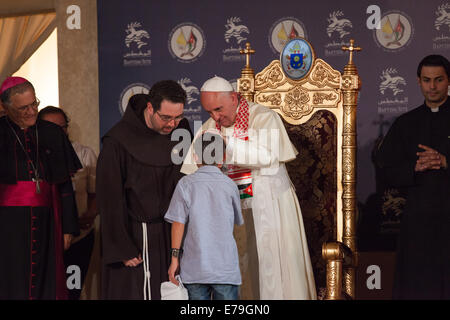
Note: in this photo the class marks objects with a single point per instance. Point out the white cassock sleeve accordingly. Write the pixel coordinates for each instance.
(268, 143)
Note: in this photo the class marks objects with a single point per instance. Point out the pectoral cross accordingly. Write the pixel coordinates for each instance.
(37, 181)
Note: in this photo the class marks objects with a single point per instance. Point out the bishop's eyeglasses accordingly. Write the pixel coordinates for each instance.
(34, 105)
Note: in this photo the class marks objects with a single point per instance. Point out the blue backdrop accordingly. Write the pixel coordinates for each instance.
(141, 42)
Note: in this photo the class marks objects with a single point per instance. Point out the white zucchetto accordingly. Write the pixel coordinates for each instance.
(217, 84)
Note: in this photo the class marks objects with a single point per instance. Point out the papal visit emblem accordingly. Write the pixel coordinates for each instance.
(186, 42)
(396, 31)
(284, 30)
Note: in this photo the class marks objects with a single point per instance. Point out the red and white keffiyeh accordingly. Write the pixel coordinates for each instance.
(241, 176)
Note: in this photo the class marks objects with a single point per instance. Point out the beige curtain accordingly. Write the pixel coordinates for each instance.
(20, 37)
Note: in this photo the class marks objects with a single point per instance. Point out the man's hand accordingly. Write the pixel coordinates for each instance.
(173, 270)
(429, 159)
(67, 241)
(133, 262)
(86, 220)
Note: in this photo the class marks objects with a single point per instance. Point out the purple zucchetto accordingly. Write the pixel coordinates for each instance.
(11, 82)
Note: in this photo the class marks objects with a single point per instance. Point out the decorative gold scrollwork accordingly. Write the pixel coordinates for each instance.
(351, 82)
(347, 163)
(244, 85)
(323, 88)
(319, 97)
(347, 129)
(295, 103)
(271, 77)
(274, 99)
(323, 75)
(347, 82)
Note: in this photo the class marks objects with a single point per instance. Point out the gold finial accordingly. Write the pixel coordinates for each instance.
(351, 48)
(247, 51)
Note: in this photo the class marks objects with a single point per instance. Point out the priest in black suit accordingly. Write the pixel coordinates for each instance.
(415, 155)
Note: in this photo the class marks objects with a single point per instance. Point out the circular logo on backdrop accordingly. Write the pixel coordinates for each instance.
(396, 31)
(297, 58)
(186, 42)
(130, 91)
(284, 30)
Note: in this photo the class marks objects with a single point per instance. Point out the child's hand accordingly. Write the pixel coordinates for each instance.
(173, 270)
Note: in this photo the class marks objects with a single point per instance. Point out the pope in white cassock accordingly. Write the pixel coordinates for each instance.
(279, 266)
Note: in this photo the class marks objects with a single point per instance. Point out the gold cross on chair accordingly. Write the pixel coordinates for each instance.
(247, 51)
(351, 48)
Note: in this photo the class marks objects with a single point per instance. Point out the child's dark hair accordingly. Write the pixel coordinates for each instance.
(210, 148)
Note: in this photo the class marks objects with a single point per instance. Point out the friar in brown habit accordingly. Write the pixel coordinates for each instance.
(136, 177)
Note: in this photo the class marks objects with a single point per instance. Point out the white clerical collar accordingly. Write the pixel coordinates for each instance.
(435, 109)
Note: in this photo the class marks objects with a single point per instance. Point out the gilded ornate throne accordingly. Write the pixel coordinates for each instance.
(319, 112)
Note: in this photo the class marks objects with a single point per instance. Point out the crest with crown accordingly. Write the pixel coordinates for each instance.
(296, 58)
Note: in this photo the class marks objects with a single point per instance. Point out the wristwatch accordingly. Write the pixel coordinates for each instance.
(174, 252)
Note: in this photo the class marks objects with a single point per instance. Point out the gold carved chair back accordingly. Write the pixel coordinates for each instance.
(319, 112)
